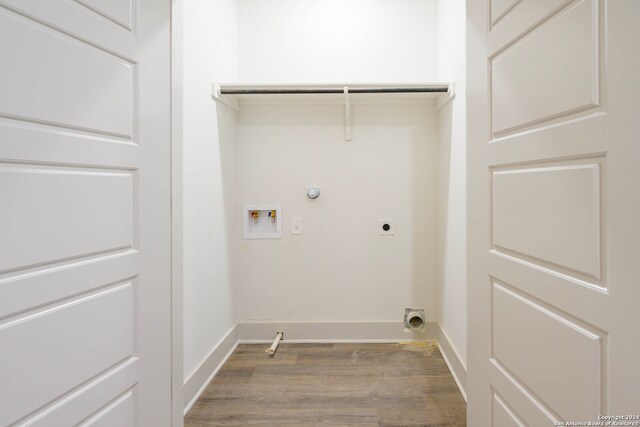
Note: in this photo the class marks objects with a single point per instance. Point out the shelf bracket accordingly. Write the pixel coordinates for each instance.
(445, 98)
(347, 114)
(215, 92)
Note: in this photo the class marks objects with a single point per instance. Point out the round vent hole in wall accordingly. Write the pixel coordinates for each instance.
(414, 319)
(416, 322)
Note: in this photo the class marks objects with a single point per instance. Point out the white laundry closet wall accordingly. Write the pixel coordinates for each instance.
(340, 269)
(209, 52)
(398, 166)
(452, 206)
(311, 41)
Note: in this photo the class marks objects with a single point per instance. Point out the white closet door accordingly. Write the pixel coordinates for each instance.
(83, 166)
(554, 205)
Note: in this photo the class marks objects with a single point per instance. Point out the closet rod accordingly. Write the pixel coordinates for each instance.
(224, 91)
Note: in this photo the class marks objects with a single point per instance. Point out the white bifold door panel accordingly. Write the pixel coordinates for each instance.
(554, 199)
(81, 312)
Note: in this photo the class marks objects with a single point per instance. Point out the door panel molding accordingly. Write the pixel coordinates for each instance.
(535, 79)
(117, 11)
(555, 223)
(503, 414)
(77, 21)
(552, 218)
(534, 411)
(85, 174)
(538, 345)
(73, 407)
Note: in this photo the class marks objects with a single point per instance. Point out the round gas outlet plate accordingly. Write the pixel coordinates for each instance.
(313, 192)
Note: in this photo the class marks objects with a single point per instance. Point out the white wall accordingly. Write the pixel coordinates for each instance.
(337, 41)
(340, 269)
(208, 138)
(452, 180)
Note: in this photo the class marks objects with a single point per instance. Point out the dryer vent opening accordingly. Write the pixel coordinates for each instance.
(414, 319)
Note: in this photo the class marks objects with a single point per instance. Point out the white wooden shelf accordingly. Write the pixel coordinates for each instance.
(235, 95)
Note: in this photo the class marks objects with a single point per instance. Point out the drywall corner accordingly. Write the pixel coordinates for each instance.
(452, 177)
(209, 53)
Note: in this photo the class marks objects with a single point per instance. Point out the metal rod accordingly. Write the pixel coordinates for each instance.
(274, 346)
(331, 90)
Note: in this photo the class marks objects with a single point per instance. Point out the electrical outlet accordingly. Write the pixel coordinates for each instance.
(296, 225)
(385, 227)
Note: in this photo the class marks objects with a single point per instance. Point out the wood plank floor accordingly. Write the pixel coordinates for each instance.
(332, 385)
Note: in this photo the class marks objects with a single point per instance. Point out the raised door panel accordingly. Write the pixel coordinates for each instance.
(89, 399)
(519, 18)
(547, 272)
(69, 260)
(549, 72)
(63, 213)
(21, 292)
(63, 345)
(54, 78)
(41, 143)
(547, 351)
(550, 214)
(118, 413)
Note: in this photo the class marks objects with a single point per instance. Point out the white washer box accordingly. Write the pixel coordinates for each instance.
(259, 222)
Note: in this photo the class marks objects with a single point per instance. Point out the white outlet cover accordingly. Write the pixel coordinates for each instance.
(296, 225)
(381, 230)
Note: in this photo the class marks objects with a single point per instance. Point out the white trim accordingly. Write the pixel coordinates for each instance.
(153, 315)
(318, 332)
(454, 350)
(477, 216)
(202, 376)
(364, 332)
(443, 100)
(177, 351)
(453, 360)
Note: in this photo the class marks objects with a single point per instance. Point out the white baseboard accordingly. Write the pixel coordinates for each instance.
(454, 362)
(200, 379)
(259, 332)
(354, 332)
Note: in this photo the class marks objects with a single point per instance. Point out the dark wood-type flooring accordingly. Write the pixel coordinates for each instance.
(332, 385)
